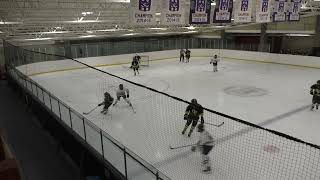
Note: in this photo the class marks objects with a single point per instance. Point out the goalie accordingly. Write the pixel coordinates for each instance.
(135, 64)
(192, 114)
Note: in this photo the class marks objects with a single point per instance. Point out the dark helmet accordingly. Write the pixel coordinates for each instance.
(194, 101)
(121, 86)
(200, 127)
(106, 94)
(318, 82)
(215, 56)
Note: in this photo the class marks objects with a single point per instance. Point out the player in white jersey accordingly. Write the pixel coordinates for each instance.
(214, 61)
(204, 145)
(124, 93)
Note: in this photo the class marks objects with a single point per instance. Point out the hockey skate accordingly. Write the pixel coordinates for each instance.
(207, 170)
(105, 111)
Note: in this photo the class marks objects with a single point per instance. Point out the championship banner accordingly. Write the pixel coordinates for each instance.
(280, 13)
(294, 10)
(243, 10)
(143, 12)
(172, 12)
(223, 11)
(200, 11)
(263, 11)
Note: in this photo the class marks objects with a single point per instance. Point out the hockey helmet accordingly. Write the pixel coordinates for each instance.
(194, 101)
(200, 127)
(121, 86)
(318, 82)
(215, 56)
(106, 94)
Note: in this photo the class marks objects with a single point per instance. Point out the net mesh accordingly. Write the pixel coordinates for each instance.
(144, 61)
(242, 151)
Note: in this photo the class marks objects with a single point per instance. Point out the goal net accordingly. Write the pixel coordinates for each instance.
(144, 61)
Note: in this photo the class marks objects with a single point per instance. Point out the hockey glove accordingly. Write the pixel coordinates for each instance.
(193, 148)
(311, 92)
(100, 104)
(185, 117)
(202, 120)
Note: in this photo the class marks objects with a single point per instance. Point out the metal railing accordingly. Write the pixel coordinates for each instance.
(130, 165)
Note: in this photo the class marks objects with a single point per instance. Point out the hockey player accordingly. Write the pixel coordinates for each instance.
(135, 65)
(193, 111)
(315, 92)
(214, 62)
(137, 57)
(204, 145)
(124, 93)
(182, 55)
(188, 53)
(108, 100)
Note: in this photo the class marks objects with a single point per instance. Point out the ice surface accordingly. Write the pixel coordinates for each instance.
(283, 105)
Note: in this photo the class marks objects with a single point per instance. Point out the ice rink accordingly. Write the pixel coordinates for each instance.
(270, 95)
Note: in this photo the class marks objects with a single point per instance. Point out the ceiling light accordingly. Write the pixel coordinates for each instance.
(87, 36)
(218, 26)
(301, 35)
(158, 28)
(213, 3)
(190, 32)
(130, 34)
(190, 27)
(158, 14)
(54, 32)
(90, 32)
(86, 13)
(37, 39)
(85, 21)
(10, 22)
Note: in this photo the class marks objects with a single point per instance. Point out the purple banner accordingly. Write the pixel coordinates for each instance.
(200, 11)
(223, 11)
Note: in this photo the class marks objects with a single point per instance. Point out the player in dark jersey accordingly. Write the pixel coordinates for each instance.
(192, 114)
(137, 57)
(135, 65)
(188, 54)
(108, 100)
(315, 92)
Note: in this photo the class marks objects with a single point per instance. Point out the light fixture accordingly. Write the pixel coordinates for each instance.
(158, 28)
(130, 34)
(158, 14)
(10, 22)
(86, 13)
(190, 32)
(90, 32)
(190, 27)
(299, 35)
(38, 39)
(87, 36)
(213, 3)
(54, 32)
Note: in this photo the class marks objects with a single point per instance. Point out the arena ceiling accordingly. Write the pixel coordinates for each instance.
(74, 19)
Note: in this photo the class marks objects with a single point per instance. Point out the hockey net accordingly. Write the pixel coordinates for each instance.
(144, 61)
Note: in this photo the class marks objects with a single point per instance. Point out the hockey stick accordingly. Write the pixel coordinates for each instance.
(217, 125)
(86, 113)
(178, 147)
